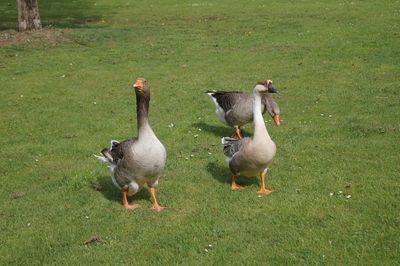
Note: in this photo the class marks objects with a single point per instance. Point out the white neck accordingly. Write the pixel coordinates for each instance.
(260, 131)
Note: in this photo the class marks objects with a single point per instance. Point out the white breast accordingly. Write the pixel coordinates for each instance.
(149, 157)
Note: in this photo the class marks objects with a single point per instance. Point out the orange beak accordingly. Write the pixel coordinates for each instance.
(138, 84)
(276, 120)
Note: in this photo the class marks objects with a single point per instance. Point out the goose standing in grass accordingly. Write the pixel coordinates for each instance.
(234, 108)
(139, 160)
(250, 156)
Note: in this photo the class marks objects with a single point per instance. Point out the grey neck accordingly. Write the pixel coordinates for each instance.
(142, 111)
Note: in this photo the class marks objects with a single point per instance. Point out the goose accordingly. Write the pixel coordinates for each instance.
(136, 161)
(234, 107)
(250, 156)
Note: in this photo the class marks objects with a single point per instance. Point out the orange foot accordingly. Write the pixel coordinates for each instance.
(126, 204)
(132, 207)
(236, 186)
(157, 208)
(265, 191)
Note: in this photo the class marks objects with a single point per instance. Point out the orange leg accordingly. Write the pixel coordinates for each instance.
(234, 185)
(126, 204)
(263, 190)
(238, 133)
(155, 206)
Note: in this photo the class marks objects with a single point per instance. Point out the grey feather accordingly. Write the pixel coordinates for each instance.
(232, 145)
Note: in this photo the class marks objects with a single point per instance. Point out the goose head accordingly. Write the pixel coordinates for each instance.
(142, 87)
(274, 111)
(264, 87)
(268, 86)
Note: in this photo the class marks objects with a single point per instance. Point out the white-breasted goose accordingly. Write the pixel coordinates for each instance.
(139, 160)
(250, 156)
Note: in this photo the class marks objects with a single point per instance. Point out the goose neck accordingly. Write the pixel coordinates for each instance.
(259, 125)
(142, 111)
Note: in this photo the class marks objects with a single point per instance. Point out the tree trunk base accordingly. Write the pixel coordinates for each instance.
(28, 15)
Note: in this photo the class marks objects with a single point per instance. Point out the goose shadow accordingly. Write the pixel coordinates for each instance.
(224, 175)
(219, 131)
(105, 186)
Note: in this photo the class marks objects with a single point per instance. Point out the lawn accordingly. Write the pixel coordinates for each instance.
(67, 91)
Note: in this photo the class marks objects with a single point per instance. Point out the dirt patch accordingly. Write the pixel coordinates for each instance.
(18, 194)
(94, 240)
(50, 37)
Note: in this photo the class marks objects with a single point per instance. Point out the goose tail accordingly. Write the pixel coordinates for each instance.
(212, 94)
(231, 146)
(105, 156)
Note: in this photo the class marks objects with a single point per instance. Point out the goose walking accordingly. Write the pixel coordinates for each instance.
(234, 108)
(139, 160)
(251, 156)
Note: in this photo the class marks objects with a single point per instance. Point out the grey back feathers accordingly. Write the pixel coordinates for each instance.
(227, 100)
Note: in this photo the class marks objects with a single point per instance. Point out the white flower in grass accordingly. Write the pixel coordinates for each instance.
(331, 194)
(171, 125)
(348, 196)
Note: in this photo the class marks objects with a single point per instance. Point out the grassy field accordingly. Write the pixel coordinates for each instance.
(66, 91)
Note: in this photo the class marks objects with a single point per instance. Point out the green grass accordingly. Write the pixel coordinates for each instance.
(337, 66)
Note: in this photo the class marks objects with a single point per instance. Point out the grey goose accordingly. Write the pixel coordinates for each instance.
(139, 160)
(234, 108)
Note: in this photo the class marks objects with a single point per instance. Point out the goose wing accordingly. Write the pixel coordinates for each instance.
(227, 99)
(117, 151)
(232, 145)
